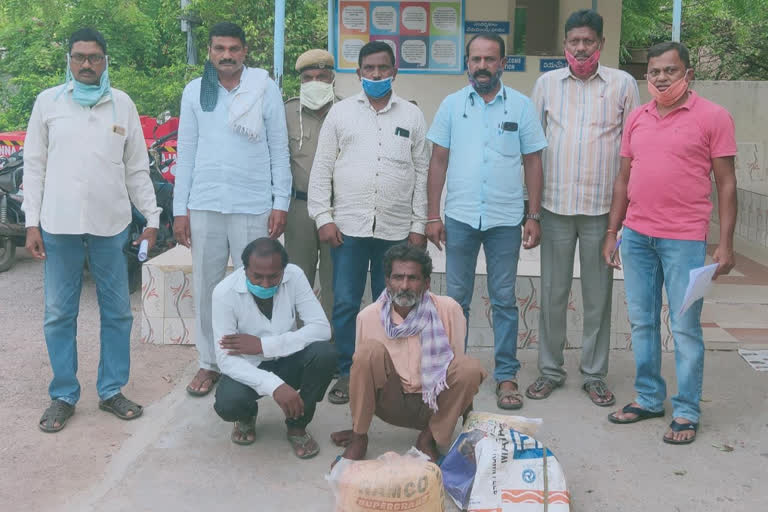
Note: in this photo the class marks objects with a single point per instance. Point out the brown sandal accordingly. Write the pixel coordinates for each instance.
(306, 443)
(211, 376)
(599, 393)
(503, 394)
(541, 388)
(242, 429)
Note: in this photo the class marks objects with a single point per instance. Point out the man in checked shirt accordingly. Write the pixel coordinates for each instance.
(367, 191)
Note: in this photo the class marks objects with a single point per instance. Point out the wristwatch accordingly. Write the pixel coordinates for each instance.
(533, 216)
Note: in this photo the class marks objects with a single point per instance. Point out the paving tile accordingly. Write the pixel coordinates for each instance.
(748, 335)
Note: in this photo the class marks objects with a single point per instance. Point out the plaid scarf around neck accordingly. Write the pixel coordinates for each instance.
(436, 351)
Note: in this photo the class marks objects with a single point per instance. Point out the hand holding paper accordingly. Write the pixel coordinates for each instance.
(699, 283)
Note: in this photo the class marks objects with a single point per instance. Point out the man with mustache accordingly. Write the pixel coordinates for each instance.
(367, 191)
(409, 367)
(233, 178)
(582, 108)
(85, 162)
(481, 134)
(670, 149)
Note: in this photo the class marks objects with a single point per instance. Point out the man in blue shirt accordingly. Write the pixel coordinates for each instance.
(481, 134)
(233, 176)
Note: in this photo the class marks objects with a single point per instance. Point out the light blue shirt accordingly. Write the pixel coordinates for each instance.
(486, 141)
(223, 171)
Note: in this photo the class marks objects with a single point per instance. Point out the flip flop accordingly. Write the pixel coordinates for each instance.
(305, 443)
(641, 414)
(681, 427)
(599, 388)
(339, 393)
(244, 428)
(213, 378)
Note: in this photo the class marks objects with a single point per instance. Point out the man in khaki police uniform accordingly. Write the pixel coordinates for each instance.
(305, 115)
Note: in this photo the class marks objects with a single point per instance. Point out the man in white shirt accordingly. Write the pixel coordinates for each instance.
(367, 191)
(233, 176)
(261, 352)
(85, 162)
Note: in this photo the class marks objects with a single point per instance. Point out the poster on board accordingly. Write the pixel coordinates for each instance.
(426, 36)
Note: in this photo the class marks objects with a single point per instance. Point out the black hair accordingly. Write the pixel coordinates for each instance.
(407, 252)
(488, 37)
(88, 34)
(585, 18)
(264, 247)
(375, 47)
(226, 29)
(661, 48)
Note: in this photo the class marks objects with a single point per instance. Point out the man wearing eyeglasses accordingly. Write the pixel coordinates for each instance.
(233, 176)
(85, 162)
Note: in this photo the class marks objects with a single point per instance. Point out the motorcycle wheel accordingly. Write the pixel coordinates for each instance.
(7, 253)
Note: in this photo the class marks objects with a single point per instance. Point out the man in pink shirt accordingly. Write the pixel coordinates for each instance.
(669, 149)
(409, 367)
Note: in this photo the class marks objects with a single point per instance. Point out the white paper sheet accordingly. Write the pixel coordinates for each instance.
(699, 283)
(757, 359)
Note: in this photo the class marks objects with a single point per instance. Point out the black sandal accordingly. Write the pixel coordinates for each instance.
(641, 414)
(121, 406)
(681, 427)
(58, 412)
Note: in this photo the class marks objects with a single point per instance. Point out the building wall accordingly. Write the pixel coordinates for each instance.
(429, 90)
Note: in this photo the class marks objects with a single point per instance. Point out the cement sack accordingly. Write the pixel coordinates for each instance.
(392, 482)
(516, 473)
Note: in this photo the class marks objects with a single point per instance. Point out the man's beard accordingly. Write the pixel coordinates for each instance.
(406, 298)
(487, 87)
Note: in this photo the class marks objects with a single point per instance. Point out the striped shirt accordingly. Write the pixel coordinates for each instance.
(583, 121)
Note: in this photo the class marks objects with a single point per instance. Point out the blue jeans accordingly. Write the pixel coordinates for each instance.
(648, 263)
(63, 281)
(350, 269)
(502, 249)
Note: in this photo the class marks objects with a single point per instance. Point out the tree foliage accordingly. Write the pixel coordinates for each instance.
(146, 47)
(728, 39)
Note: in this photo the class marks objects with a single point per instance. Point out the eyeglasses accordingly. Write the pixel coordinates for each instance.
(95, 58)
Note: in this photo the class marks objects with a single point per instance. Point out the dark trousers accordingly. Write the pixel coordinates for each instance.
(351, 261)
(310, 371)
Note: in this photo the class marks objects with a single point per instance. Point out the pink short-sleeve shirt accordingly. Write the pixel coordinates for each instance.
(669, 182)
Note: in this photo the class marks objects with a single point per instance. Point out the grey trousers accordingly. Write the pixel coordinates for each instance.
(304, 249)
(216, 236)
(558, 245)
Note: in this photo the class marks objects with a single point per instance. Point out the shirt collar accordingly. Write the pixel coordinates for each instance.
(242, 78)
(599, 73)
(650, 107)
(240, 286)
(393, 100)
(499, 94)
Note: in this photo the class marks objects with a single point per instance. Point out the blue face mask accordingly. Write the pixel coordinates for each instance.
(85, 94)
(377, 88)
(259, 291)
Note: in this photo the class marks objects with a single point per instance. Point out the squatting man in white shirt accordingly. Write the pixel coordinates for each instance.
(261, 352)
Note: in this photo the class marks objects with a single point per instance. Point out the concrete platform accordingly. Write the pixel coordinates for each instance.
(179, 456)
(737, 301)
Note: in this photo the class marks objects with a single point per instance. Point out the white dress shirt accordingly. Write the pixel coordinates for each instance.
(84, 166)
(369, 175)
(235, 312)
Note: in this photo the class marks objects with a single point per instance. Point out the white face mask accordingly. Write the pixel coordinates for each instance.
(315, 94)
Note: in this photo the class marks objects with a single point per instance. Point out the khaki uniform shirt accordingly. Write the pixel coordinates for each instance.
(302, 146)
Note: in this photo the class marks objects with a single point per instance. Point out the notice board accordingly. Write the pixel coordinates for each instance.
(426, 36)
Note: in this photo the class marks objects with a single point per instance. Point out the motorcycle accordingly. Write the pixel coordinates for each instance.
(12, 230)
(12, 221)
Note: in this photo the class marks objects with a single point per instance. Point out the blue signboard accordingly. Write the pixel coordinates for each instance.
(550, 64)
(515, 63)
(486, 27)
